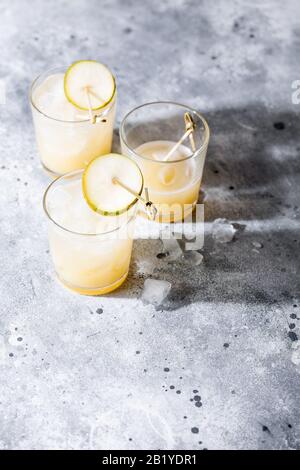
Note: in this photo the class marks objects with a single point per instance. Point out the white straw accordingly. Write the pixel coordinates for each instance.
(92, 117)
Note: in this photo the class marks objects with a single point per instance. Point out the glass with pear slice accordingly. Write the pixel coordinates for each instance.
(64, 102)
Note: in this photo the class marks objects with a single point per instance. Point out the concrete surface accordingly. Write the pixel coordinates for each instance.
(113, 372)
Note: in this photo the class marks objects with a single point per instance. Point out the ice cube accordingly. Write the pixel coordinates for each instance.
(145, 267)
(50, 98)
(68, 208)
(155, 291)
(171, 246)
(257, 244)
(223, 231)
(60, 198)
(193, 257)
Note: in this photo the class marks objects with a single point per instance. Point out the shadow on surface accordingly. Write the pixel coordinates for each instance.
(250, 172)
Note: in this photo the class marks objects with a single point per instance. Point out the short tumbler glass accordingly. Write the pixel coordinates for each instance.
(68, 145)
(173, 184)
(88, 262)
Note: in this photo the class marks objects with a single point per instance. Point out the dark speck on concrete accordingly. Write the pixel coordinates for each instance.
(279, 126)
(99, 311)
(292, 335)
(198, 404)
(178, 392)
(195, 391)
(197, 398)
(172, 387)
(166, 369)
(266, 429)
(292, 326)
(293, 316)
(127, 30)
(11, 354)
(226, 345)
(195, 430)
(161, 255)
(137, 352)
(19, 339)
(289, 426)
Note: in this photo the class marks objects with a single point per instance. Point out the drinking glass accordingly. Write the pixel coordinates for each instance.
(173, 184)
(91, 253)
(67, 144)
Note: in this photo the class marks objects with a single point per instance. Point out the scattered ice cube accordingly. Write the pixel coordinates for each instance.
(257, 244)
(193, 257)
(223, 231)
(155, 291)
(171, 247)
(145, 267)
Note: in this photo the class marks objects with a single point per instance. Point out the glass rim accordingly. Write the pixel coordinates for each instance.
(47, 72)
(92, 234)
(202, 119)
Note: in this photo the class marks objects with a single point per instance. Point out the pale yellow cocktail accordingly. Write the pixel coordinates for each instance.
(173, 186)
(91, 252)
(148, 134)
(67, 140)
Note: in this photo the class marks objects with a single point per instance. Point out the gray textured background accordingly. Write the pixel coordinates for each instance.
(75, 378)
